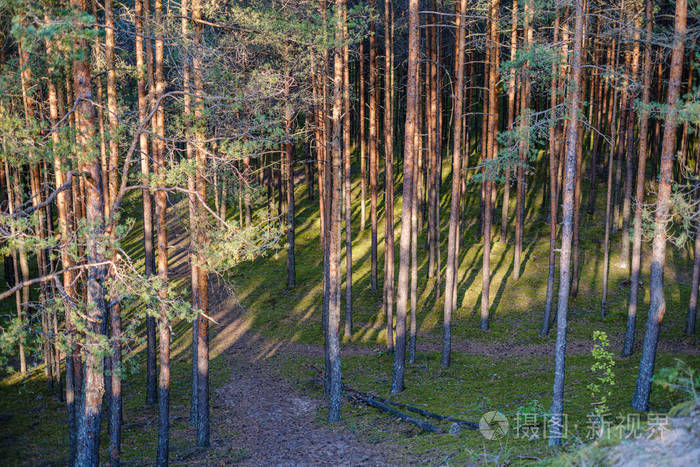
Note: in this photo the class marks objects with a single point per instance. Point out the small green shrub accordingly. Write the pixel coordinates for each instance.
(603, 375)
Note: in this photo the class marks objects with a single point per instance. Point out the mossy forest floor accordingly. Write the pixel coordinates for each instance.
(267, 405)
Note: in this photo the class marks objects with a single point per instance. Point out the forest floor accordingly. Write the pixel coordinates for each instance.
(259, 418)
(267, 406)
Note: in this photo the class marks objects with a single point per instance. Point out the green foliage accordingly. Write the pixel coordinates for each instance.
(531, 407)
(684, 213)
(601, 388)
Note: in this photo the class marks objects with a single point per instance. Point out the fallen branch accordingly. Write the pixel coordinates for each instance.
(465, 423)
(384, 404)
(352, 395)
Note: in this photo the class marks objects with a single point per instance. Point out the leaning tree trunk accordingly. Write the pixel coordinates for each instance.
(657, 305)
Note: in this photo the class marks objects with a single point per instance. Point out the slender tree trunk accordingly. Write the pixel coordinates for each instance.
(192, 211)
(577, 205)
(202, 239)
(373, 152)
(503, 238)
(347, 179)
(524, 146)
(491, 151)
(635, 265)
(556, 423)
(553, 195)
(414, 220)
(657, 306)
(35, 196)
(388, 180)
(599, 103)
(363, 139)
(162, 248)
(608, 203)
(629, 153)
(149, 257)
(289, 182)
(625, 123)
(115, 384)
(64, 204)
(452, 237)
(397, 384)
(335, 277)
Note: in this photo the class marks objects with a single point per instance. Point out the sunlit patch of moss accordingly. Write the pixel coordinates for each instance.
(470, 387)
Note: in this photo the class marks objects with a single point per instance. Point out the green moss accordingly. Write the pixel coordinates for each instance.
(34, 423)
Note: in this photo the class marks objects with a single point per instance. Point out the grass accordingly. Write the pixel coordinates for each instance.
(34, 422)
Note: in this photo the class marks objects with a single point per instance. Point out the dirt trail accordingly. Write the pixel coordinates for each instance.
(258, 418)
(276, 425)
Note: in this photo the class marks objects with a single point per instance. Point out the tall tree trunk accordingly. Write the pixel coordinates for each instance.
(635, 265)
(65, 222)
(553, 192)
(414, 218)
(192, 211)
(397, 384)
(657, 305)
(347, 179)
(202, 239)
(609, 198)
(35, 191)
(140, 13)
(115, 384)
(491, 152)
(373, 152)
(93, 389)
(334, 272)
(289, 182)
(556, 423)
(524, 145)
(629, 152)
(452, 236)
(388, 179)
(363, 139)
(503, 238)
(162, 248)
